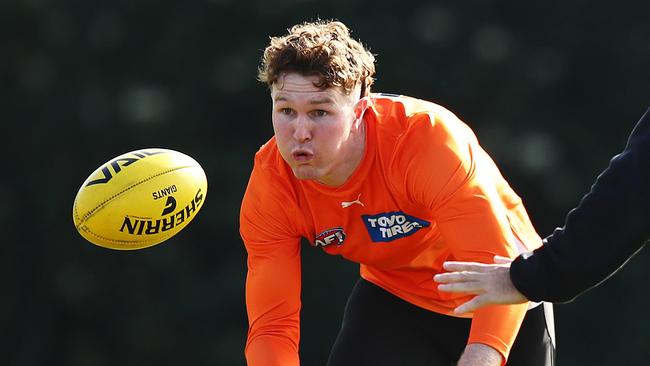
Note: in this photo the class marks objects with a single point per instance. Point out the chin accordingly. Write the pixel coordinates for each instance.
(305, 173)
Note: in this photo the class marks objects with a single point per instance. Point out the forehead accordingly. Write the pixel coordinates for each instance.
(296, 87)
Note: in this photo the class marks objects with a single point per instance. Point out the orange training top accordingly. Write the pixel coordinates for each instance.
(424, 193)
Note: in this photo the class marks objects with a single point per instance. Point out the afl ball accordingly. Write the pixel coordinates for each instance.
(139, 199)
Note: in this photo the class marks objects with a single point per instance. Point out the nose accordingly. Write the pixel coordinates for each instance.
(302, 129)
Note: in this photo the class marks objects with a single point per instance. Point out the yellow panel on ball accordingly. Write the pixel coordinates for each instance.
(139, 199)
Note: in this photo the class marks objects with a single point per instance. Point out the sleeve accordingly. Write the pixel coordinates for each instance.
(610, 225)
(451, 175)
(273, 279)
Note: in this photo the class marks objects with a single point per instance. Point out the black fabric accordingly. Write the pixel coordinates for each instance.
(610, 225)
(380, 329)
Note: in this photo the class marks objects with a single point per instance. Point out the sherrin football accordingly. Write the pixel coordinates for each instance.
(139, 199)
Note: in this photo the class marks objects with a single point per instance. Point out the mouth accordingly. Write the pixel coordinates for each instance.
(302, 155)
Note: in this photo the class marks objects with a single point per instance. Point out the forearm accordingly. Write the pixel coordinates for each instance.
(271, 351)
(606, 229)
(478, 354)
(274, 325)
(550, 275)
(273, 306)
(497, 327)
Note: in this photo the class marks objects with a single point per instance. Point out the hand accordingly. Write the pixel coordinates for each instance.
(491, 282)
(478, 354)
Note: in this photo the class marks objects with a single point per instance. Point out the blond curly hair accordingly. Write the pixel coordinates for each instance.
(322, 48)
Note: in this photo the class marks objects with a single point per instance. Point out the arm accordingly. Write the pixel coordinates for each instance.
(273, 279)
(461, 190)
(495, 326)
(477, 354)
(611, 224)
(273, 304)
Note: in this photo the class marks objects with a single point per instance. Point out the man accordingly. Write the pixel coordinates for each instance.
(609, 226)
(396, 184)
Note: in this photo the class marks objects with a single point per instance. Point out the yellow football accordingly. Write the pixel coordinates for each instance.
(139, 199)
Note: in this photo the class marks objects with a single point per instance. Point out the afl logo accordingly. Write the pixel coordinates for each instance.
(330, 236)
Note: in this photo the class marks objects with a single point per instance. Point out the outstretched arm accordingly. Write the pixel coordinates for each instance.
(273, 304)
(273, 278)
(611, 223)
(462, 190)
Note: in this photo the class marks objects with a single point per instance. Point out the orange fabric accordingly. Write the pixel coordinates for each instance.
(426, 193)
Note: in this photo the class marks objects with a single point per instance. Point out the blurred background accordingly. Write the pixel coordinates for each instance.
(552, 89)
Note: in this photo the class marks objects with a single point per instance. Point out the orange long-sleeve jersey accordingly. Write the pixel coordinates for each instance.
(425, 192)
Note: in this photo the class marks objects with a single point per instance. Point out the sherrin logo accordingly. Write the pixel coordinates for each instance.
(145, 226)
(330, 236)
(389, 226)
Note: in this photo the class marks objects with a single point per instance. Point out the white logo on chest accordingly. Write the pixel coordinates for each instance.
(346, 204)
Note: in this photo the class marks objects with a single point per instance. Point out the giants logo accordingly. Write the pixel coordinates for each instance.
(389, 226)
(330, 236)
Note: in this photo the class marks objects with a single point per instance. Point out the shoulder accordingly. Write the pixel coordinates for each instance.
(412, 130)
(271, 177)
(268, 156)
(425, 149)
(270, 198)
(410, 117)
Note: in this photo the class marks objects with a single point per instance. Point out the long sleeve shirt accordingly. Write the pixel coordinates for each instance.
(425, 192)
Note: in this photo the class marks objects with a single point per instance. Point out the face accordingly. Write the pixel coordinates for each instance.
(316, 130)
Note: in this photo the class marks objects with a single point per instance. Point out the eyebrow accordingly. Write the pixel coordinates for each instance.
(318, 100)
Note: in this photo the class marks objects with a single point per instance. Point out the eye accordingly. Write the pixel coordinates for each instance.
(286, 111)
(320, 113)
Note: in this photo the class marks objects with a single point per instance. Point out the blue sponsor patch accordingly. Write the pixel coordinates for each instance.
(389, 226)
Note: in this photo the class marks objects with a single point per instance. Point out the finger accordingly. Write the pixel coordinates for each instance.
(472, 305)
(464, 266)
(462, 287)
(449, 277)
(502, 260)
(458, 277)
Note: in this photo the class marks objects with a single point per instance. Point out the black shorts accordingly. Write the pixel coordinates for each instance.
(380, 329)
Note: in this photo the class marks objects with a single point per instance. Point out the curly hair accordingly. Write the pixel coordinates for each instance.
(322, 48)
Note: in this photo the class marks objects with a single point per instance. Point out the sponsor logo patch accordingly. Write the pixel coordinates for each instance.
(330, 236)
(389, 226)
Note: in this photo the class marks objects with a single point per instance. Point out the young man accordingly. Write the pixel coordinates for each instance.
(610, 225)
(396, 184)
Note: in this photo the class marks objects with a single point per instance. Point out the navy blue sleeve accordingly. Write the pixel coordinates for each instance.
(610, 225)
